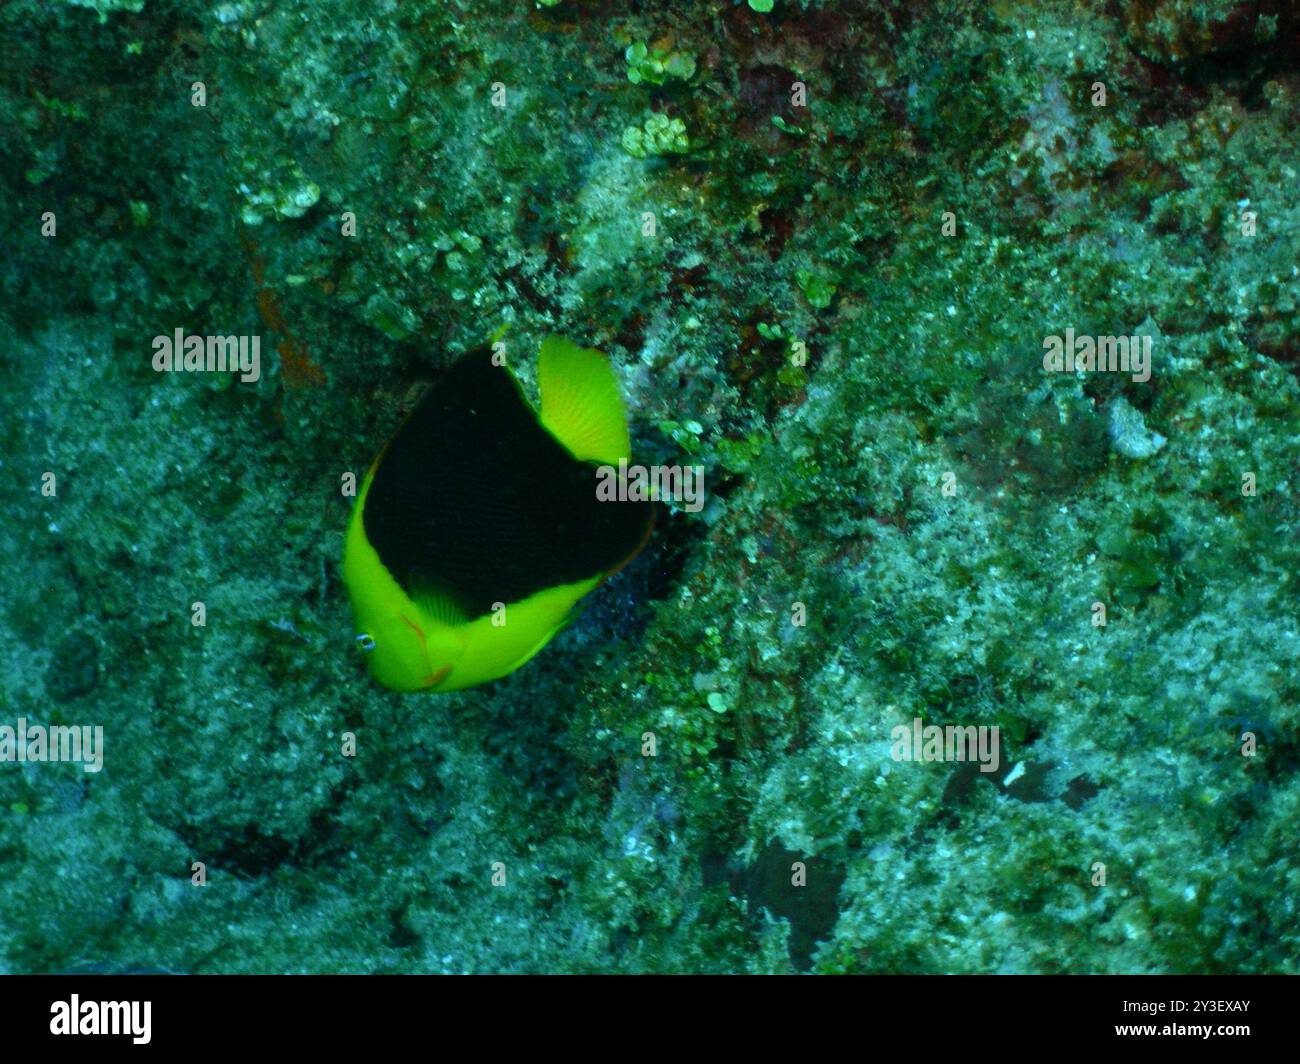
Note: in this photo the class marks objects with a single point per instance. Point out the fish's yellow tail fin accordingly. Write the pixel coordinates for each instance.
(581, 406)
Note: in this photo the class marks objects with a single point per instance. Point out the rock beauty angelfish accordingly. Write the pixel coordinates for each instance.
(478, 527)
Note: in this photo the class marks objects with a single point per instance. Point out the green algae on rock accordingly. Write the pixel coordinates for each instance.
(914, 522)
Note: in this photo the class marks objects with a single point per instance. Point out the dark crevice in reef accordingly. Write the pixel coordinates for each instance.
(1037, 784)
(252, 852)
(400, 935)
(793, 886)
(769, 883)
(1271, 344)
(1239, 59)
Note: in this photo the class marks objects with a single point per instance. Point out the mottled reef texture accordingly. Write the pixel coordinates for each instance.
(773, 225)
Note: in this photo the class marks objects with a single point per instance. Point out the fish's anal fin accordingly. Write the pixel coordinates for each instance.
(581, 406)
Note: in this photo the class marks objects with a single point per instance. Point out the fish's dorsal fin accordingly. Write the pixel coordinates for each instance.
(581, 406)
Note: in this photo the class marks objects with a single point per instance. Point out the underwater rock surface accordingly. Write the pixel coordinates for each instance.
(823, 246)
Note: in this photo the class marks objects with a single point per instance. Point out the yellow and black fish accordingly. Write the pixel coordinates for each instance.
(478, 527)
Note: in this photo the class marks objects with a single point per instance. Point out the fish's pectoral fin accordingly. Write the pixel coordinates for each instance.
(435, 678)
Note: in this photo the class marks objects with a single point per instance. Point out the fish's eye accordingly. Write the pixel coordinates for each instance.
(365, 642)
